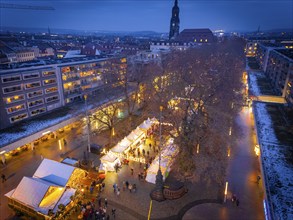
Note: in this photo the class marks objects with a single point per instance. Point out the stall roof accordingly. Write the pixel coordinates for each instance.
(65, 199)
(108, 157)
(121, 146)
(135, 134)
(70, 161)
(147, 123)
(30, 191)
(54, 172)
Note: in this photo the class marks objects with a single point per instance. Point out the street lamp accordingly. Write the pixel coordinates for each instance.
(157, 193)
(87, 125)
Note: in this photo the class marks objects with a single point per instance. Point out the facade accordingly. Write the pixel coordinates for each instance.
(32, 91)
(27, 93)
(174, 23)
(197, 36)
(250, 48)
(280, 72)
(262, 53)
(168, 45)
(25, 55)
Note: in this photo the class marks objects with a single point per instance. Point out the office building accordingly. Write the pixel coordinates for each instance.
(31, 91)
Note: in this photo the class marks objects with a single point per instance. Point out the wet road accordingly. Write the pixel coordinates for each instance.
(242, 173)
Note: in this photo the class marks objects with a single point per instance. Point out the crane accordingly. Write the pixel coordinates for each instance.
(29, 7)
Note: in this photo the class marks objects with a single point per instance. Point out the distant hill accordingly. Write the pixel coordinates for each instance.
(79, 32)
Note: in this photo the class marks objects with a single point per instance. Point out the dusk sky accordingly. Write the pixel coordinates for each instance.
(151, 15)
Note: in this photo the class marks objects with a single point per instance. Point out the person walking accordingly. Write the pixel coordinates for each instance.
(106, 202)
(113, 213)
(127, 184)
(258, 179)
(132, 171)
(3, 177)
(237, 202)
(100, 202)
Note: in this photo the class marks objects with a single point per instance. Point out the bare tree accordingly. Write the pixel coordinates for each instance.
(205, 85)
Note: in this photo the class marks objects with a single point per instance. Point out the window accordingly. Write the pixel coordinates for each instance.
(8, 79)
(49, 81)
(32, 85)
(30, 75)
(37, 111)
(49, 73)
(16, 108)
(13, 99)
(50, 90)
(35, 103)
(34, 94)
(12, 89)
(52, 98)
(18, 117)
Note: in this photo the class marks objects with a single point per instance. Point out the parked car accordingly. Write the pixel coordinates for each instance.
(96, 149)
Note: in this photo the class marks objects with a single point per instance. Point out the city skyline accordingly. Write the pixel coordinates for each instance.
(144, 15)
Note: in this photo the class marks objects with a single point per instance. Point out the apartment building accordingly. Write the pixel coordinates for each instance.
(82, 78)
(250, 48)
(280, 72)
(262, 53)
(27, 93)
(31, 91)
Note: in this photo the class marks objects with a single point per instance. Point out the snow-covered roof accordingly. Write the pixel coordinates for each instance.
(278, 171)
(54, 172)
(31, 191)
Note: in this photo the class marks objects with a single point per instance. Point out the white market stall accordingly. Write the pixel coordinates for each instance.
(148, 125)
(108, 162)
(167, 155)
(136, 136)
(122, 146)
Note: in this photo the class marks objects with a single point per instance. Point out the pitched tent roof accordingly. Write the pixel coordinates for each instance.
(108, 157)
(54, 172)
(31, 191)
(121, 146)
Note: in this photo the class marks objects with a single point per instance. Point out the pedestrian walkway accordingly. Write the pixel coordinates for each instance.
(242, 173)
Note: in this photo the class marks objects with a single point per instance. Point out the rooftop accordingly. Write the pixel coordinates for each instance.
(269, 44)
(286, 52)
(40, 62)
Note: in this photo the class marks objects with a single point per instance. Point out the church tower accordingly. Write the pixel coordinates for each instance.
(174, 24)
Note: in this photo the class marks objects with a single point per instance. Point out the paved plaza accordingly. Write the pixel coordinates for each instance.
(201, 201)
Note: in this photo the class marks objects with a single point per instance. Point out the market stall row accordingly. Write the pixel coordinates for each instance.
(124, 149)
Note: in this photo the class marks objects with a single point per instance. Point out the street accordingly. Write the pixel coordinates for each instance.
(242, 172)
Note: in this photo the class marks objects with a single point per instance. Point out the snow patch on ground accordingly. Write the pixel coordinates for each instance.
(253, 86)
(278, 172)
(279, 180)
(264, 124)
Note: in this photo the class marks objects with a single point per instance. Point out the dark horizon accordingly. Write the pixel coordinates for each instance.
(131, 16)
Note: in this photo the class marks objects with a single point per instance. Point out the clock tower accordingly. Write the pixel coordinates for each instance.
(174, 24)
